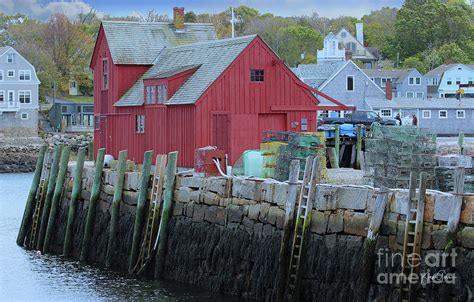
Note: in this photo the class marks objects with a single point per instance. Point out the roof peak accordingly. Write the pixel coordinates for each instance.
(150, 23)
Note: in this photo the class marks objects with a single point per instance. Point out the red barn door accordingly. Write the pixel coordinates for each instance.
(221, 131)
(273, 122)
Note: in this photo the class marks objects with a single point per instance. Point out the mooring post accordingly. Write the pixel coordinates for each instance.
(76, 191)
(90, 151)
(95, 192)
(49, 196)
(30, 202)
(333, 159)
(165, 214)
(58, 190)
(368, 260)
(337, 142)
(284, 256)
(455, 209)
(461, 141)
(122, 165)
(141, 206)
(358, 145)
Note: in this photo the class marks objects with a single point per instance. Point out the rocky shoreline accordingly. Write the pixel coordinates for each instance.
(19, 154)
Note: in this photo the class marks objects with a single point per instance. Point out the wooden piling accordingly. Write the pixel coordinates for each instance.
(49, 196)
(141, 207)
(455, 209)
(76, 191)
(90, 151)
(121, 166)
(358, 145)
(95, 192)
(461, 141)
(284, 256)
(30, 202)
(369, 257)
(337, 142)
(333, 159)
(58, 190)
(165, 213)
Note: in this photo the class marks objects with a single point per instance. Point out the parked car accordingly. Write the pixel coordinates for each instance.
(359, 117)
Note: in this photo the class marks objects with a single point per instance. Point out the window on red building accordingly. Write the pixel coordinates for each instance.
(162, 93)
(256, 75)
(105, 74)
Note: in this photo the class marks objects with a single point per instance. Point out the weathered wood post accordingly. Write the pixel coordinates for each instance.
(369, 257)
(95, 192)
(461, 141)
(337, 142)
(141, 206)
(90, 151)
(333, 159)
(434, 137)
(116, 206)
(455, 209)
(58, 190)
(30, 202)
(289, 220)
(76, 191)
(358, 145)
(165, 214)
(49, 196)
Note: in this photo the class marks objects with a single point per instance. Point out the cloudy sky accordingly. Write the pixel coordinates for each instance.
(328, 8)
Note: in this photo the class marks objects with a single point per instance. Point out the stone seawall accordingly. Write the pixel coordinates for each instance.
(225, 235)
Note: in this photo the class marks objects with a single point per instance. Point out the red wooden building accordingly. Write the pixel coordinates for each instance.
(222, 93)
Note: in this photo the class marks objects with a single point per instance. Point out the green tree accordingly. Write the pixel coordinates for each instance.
(415, 62)
(190, 17)
(452, 53)
(379, 26)
(299, 40)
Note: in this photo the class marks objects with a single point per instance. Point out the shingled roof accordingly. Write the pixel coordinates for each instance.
(4, 49)
(438, 71)
(211, 58)
(316, 74)
(398, 74)
(139, 43)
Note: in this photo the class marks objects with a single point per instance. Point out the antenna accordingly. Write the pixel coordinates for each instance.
(232, 22)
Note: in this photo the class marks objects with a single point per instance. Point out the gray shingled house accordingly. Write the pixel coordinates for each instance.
(406, 83)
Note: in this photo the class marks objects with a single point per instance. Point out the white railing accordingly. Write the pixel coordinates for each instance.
(9, 105)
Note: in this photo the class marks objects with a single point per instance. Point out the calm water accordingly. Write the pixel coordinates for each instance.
(24, 275)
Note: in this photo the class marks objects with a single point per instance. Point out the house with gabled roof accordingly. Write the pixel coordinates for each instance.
(342, 80)
(222, 93)
(406, 83)
(356, 45)
(19, 87)
(444, 81)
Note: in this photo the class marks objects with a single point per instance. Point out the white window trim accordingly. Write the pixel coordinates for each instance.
(8, 94)
(353, 82)
(3, 76)
(406, 94)
(422, 94)
(414, 81)
(12, 56)
(423, 114)
(8, 72)
(383, 115)
(382, 84)
(25, 73)
(23, 91)
(439, 113)
(463, 114)
(24, 118)
(2, 92)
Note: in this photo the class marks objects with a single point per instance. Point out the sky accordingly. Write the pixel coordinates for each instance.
(42, 9)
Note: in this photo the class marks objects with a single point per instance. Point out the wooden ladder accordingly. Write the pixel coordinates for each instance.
(413, 235)
(303, 219)
(153, 215)
(40, 197)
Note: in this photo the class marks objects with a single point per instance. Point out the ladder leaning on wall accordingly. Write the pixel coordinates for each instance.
(413, 234)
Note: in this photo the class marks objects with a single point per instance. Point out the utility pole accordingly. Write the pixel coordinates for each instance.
(232, 21)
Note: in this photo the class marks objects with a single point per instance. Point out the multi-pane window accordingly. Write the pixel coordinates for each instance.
(304, 124)
(148, 94)
(1, 75)
(410, 95)
(256, 75)
(460, 113)
(153, 95)
(140, 124)
(10, 58)
(443, 114)
(11, 96)
(24, 96)
(414, 81)
(419, 95)
(24, 116)
(24, 75)
(386, 112)
(2, 96)
(350, 83)
(97, 122)
(11, 73)
(449, 81)
(162, 93)
(458, 81)
(426, 114)
(383, 82)
(105, 74)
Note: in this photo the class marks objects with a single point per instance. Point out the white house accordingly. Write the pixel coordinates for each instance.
(444, 81)
(18, 95)
(356, 45)
(331, 51)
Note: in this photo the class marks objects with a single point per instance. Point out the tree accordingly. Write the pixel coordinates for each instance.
(415, 62)
(243, 15)
(343, 21)
(190, 17)
(379, 26)
(451, 53)
(299, 40)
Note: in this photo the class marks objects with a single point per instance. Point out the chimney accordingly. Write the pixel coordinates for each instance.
(388, 90)
(348, 54)
(178, 18)
(360, 32)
